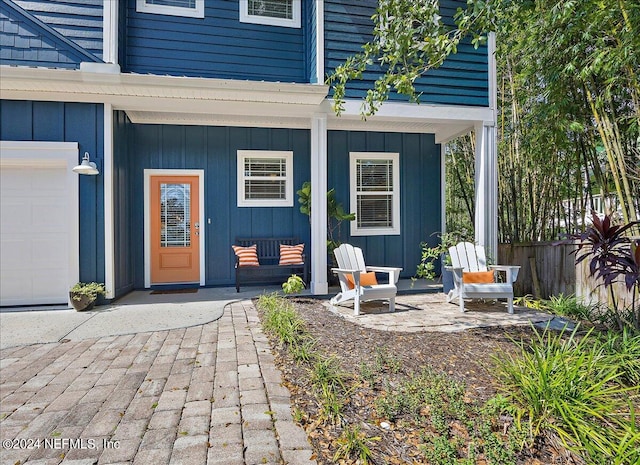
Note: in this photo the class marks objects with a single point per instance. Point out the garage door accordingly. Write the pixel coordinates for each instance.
(35, 233)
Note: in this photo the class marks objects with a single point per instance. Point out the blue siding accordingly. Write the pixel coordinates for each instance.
(420, 214)
(122, 207)
(80, 21)
(26, 40)
(213, 149)
(68, 122)
(312, 47)
(216, 46)
(461, 80)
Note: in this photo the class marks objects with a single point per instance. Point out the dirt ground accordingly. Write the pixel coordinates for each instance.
(466, 356)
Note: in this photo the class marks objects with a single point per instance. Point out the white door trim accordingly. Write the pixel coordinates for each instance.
(25, 153)
(147, 217)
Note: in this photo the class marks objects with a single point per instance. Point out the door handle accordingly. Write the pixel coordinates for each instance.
(196, 225)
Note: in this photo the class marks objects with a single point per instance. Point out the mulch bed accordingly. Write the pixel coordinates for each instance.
(466, 356)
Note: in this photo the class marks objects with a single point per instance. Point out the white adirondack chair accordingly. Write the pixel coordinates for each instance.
(468, 257)
(351, 262)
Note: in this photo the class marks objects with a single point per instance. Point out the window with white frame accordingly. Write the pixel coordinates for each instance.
(375, 193)
(265, 178)
(285, 13)
(188, 8)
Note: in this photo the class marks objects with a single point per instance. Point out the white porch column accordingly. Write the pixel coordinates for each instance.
(486, 220)
(107, 176)
(319, 285)
(486, 195)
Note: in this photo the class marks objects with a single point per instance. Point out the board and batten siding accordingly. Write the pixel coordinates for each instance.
(79, 21)
(216, 46)
(461, 80)
(68, 122)
(124, 266)
(420, 196)
(213, 149)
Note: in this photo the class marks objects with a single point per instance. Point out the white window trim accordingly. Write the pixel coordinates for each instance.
(198, 12)
(245, 17)
(395, 158)
(288, 157)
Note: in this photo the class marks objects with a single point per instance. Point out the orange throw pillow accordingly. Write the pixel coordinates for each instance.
(478, 277)
(366, 279)
(291, 254)
(247, 256)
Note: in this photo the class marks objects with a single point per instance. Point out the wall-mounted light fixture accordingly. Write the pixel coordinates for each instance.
(86, 167)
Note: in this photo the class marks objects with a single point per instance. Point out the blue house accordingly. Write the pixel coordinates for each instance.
(203, 118)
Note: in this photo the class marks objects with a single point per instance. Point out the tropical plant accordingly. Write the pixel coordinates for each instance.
(613, 257)
(336, 214)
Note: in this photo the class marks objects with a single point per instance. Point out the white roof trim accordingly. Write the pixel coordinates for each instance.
(228, 102)
(104, 87)
(445, 121)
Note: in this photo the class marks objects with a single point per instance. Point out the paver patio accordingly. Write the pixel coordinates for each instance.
(205, 394)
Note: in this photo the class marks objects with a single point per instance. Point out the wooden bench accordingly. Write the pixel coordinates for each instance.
(269, 271)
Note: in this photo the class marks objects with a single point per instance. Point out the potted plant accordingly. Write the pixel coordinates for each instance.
(430, 254)
(83, 295)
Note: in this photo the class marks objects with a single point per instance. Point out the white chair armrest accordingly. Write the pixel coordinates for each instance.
(504, 267)
(345, 271)
(457, 273)
(511, 270)
(394, 273)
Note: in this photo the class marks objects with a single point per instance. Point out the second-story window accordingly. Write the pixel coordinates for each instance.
(271, 12)
(188, 8)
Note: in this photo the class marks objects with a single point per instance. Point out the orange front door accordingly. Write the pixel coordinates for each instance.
(175, 229)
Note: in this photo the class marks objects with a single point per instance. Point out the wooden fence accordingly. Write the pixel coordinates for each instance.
(547, 270)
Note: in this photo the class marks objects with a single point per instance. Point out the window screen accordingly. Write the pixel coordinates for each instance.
(177, 3)
(265, 178)
(375, 193)
(271, 8)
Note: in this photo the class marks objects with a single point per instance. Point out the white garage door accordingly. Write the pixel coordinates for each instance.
(35, 233)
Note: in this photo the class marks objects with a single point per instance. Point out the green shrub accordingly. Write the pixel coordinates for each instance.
(570, 387)
(293, 285)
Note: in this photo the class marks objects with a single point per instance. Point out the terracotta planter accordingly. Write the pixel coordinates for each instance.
(85, 303)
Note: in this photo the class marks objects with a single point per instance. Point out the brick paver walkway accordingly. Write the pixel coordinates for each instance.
(207, 394)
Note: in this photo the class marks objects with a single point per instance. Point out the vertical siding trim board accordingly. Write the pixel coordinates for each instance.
(109, 230)
(147, 218)
(319, 284)
(110, 31)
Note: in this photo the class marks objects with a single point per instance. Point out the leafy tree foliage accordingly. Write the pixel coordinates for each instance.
(569, 101)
